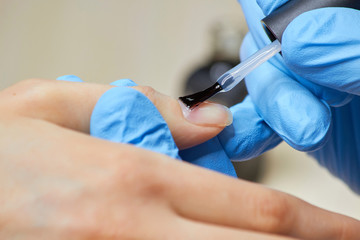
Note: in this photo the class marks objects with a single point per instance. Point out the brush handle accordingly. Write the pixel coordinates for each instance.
(235, 75)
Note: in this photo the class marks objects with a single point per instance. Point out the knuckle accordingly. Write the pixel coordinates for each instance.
(30, 89)
(36, 88)
(148, 91)
(141, 177)
(274, 212)
(26, 94)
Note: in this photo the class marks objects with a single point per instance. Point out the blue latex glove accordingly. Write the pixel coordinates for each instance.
(310, 96)
(125, 115)
(248, 137)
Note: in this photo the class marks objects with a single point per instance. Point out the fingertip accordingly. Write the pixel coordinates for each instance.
(70, 78)
(208, 114)
(186, 134)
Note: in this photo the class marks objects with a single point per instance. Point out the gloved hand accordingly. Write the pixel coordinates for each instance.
(248, 137)
(310, 95)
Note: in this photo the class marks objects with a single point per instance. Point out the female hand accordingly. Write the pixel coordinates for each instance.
(57, 182)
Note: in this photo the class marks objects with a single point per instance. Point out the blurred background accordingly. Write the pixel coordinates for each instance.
(166, 44)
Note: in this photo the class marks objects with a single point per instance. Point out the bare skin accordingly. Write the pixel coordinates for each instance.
(57, 182)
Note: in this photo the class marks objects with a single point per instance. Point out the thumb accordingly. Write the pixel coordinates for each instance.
(189, 128)
(70, 105)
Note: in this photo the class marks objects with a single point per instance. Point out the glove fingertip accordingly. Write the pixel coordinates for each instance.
(249, 136)
(214, 158)
(311, 135)
(132, 119)
(124, 83)
(70, 78)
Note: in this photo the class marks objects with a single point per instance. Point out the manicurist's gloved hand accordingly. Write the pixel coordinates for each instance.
(248, 137)
(309, 96)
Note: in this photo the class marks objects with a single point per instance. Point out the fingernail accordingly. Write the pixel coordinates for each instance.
(208, 114)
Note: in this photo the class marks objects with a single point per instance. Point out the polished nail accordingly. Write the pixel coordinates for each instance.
(208, 114)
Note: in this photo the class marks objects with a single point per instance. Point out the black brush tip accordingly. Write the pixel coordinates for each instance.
(193, 100)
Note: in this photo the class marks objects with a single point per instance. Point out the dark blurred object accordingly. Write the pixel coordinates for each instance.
(226, 41)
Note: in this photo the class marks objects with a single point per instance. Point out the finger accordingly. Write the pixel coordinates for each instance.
(207, 114)
(189, 128)
(328, 52)
(196, 230)
(113, 114)
(229, 202)
(65, 103)
(289, 108)
(71, 104)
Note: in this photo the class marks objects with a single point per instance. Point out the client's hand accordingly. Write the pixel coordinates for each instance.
(57, 182)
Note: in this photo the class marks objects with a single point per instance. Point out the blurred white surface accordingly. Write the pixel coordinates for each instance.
(152, 42)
